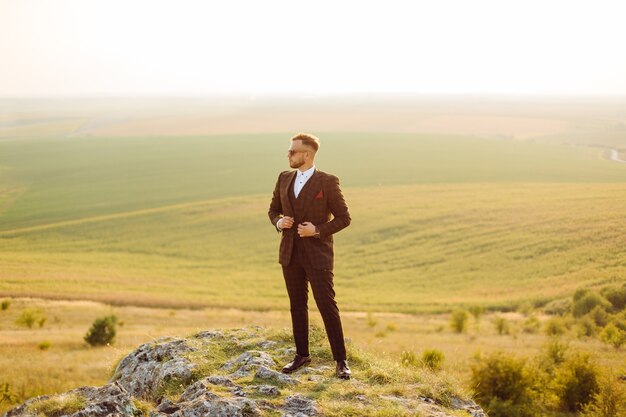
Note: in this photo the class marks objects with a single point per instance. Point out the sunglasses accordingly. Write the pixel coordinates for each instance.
(293, 152)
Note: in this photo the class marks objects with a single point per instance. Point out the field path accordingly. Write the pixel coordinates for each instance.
(105, 217)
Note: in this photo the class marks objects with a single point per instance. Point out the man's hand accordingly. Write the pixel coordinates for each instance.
(306, 229)
(285, 223)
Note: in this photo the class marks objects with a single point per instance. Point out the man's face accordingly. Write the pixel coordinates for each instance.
(297, 154)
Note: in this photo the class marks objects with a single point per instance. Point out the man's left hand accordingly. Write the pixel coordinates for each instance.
(306, 229)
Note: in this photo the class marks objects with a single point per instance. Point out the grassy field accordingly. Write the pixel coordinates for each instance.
(171, 233)
(146, 221)
(69, 362)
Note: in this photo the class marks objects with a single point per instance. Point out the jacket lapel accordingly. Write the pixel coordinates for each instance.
(284, 194)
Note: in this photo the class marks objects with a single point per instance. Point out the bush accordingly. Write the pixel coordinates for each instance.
(433, 359)
(610, 401)
(558, 307)
(5, 304)
(502, 325)
(613, 336)
(458, 322)
(587, 302)
(30, 316)
(408, 358)
(577, 383)
(102, 331)
(616, 296)
(555, 326)
(45, 345)
(477, 312)
(531, 325)
(586, 327)
(580, 293)
(504, 386)
(556, 352)
(599, 316)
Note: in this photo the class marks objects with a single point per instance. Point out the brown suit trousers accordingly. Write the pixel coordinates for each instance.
(311, 259)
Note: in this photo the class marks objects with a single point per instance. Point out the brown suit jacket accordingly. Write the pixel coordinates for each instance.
(320, 197)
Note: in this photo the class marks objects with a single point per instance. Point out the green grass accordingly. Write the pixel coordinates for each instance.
(437, 221)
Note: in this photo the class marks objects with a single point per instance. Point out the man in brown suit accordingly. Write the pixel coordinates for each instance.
(301, 209)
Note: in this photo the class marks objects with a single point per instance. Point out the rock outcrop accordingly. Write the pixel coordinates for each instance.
(234, 374)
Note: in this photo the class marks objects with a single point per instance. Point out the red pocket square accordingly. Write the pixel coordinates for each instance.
(319, 195)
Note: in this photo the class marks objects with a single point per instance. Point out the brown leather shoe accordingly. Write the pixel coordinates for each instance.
(297, 363)
(343, 371)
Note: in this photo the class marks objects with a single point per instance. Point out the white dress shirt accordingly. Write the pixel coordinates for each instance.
(301, 179)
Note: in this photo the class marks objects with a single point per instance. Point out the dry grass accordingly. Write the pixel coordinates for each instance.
(70, 362)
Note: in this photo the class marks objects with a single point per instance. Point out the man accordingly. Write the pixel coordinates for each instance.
(301, 209)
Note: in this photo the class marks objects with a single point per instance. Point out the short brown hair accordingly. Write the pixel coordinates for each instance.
(308, 139)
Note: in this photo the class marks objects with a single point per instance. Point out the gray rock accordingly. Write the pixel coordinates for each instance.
(269, 390)
(219, 380)
(197, 401)
(248, 362)
(271, 375)
(109, 400)
(299, 406)
(267, 344)
(250, 358)
(468, 406)
(209, 334)
(146, 368)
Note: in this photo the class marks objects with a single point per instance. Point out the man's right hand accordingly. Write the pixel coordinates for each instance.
(285, 223)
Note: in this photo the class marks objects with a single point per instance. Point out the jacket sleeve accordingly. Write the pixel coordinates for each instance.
(276, 209)
(338, 208)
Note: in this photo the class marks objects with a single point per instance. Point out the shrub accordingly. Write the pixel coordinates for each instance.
(501, 324)
(610, 401)
(588, 302)
(586, 327)
(5, 304)
(458, 322)
(599, 316)
(577, 383)
(554, 353)
(477, 312)
(45, 345)
(531, 325)
(408, 358)
(504, 386)
(580, 293)
(613, 336)
(555, 326)
(30, 316)
(619, 321)
(433, 359)
(102, 331)
(558, 307)
(616, 296)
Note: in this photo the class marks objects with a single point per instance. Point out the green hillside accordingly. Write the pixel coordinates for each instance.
(437, 221)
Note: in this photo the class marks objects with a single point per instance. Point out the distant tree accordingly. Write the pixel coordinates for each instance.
(102, 331)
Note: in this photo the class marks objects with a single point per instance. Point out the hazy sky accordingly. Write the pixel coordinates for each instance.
(153, 47)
